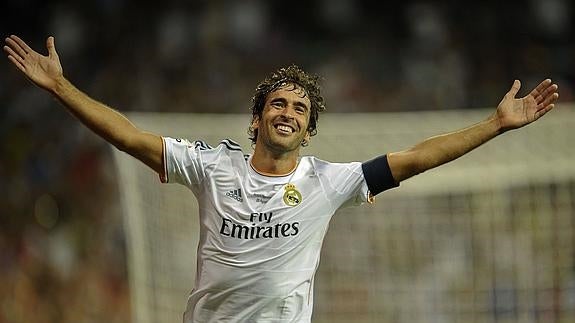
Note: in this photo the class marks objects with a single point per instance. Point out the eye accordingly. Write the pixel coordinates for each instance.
(277, 104)
(300, 110)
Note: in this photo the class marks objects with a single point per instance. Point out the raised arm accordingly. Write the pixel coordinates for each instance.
(511, 114)
(46, 72)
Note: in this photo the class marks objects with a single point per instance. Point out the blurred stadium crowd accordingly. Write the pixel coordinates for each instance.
(62, 254)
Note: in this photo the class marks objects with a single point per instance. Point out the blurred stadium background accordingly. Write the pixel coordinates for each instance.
(62, 241)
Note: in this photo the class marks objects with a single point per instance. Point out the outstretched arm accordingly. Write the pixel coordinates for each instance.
(46, 72)
(511, 114)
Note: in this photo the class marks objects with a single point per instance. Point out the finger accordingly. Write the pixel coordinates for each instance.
(546, 93)
(12, 53)
(548, 101)
(17, 63)
(22, 43)
(16, 47)
(51, 47)
(540, 88)
(542, 112)
(514, 88)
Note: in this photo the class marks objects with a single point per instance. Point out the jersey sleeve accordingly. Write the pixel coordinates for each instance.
(345, 184)
(183, 163)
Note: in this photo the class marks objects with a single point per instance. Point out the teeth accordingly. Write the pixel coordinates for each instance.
(284, 128)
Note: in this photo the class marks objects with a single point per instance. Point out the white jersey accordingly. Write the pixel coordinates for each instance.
(260, 238)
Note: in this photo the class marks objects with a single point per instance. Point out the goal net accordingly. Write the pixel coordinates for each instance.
(489, 237)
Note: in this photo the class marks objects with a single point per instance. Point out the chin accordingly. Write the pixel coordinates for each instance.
(284, 146)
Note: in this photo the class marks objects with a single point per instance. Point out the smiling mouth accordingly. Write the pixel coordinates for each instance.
(282, 128)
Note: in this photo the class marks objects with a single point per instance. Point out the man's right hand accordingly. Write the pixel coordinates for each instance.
(43, 71)
(46, 72)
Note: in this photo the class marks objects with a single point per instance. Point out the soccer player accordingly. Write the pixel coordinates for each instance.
(263, 216)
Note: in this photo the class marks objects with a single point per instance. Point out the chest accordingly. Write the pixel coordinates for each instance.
(244, 197)
(240, 207)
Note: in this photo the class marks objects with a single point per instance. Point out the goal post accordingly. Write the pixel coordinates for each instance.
(490, 236)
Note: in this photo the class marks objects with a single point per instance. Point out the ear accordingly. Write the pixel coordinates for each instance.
(255, 123)
(306, 139)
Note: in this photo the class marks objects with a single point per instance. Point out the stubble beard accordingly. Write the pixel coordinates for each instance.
(282, 145)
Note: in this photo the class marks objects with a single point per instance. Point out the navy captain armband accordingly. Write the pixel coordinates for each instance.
(378, 175)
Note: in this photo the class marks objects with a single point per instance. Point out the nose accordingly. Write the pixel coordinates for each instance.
(288, 112)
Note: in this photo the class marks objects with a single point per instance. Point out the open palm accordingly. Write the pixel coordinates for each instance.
(514, 113)
(44, 71)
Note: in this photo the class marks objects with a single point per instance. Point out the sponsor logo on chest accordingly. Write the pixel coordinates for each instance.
(260, 228)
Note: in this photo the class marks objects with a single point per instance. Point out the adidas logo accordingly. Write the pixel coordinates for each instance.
(236, 194)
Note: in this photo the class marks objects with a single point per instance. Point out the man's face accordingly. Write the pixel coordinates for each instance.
(285, 118)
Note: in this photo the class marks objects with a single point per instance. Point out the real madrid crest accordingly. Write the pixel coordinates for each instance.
(292, 196)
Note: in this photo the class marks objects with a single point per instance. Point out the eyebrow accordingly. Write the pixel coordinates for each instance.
(296, 103)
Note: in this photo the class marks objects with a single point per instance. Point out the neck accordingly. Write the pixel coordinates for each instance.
(271, 164)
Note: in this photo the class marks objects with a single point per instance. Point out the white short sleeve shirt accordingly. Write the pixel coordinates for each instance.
(260, 236)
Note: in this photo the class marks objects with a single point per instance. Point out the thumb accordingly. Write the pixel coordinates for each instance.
(51, 47)
(514, 88)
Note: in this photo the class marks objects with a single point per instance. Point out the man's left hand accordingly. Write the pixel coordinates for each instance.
(514, 113)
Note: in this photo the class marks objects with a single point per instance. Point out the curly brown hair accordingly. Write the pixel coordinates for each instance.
(283, 76)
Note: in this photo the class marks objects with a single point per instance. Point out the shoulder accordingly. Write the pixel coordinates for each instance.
(199, 149)
(226, 152)
(320, 166)
(226, 145)
(231, 146)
